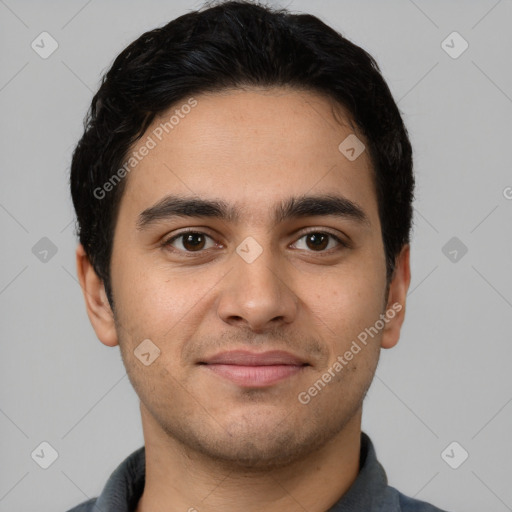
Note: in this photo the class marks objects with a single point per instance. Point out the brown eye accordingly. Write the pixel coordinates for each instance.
(190, 241)
(319, 241)
(193, 241)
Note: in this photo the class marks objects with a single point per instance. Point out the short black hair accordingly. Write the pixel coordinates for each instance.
(228, 45)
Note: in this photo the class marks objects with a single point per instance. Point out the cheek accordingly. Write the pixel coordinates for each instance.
(347, 302)
(355, 290)
(159, 303)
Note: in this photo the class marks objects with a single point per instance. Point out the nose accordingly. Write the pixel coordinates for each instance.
(258, 294)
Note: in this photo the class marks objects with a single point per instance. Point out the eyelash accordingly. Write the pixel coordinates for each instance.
(167, 244)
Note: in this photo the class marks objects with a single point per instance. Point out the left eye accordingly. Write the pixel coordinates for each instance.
(318, 241)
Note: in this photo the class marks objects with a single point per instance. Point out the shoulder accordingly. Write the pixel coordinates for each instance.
(86, 506)
(408, 504)
(123, 488)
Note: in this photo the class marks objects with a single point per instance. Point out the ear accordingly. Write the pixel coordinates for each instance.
(96, 302)
(395, 308)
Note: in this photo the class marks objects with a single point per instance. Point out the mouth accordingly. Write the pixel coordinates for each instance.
(255, 370)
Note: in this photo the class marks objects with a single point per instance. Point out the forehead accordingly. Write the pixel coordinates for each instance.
(251, 148)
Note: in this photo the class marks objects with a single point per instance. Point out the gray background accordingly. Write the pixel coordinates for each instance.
(449, 377)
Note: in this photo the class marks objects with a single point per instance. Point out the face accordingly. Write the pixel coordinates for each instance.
(253, 294)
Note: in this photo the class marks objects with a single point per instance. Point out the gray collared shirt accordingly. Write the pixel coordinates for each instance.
(369, 493)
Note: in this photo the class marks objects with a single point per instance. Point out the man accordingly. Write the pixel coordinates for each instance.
(244, 197)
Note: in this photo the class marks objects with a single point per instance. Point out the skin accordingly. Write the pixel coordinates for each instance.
(212, 444)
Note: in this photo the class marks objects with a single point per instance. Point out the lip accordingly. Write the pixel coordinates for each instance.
(248, 358)
(256, 370)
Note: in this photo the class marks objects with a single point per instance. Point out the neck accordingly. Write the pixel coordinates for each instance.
(179, 479)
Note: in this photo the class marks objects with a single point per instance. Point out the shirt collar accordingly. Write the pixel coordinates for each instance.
(368, 492)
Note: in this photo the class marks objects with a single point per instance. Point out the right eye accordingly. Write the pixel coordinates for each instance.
(190, 242)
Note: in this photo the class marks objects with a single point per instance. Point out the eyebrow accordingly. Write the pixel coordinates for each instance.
(173, 206)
